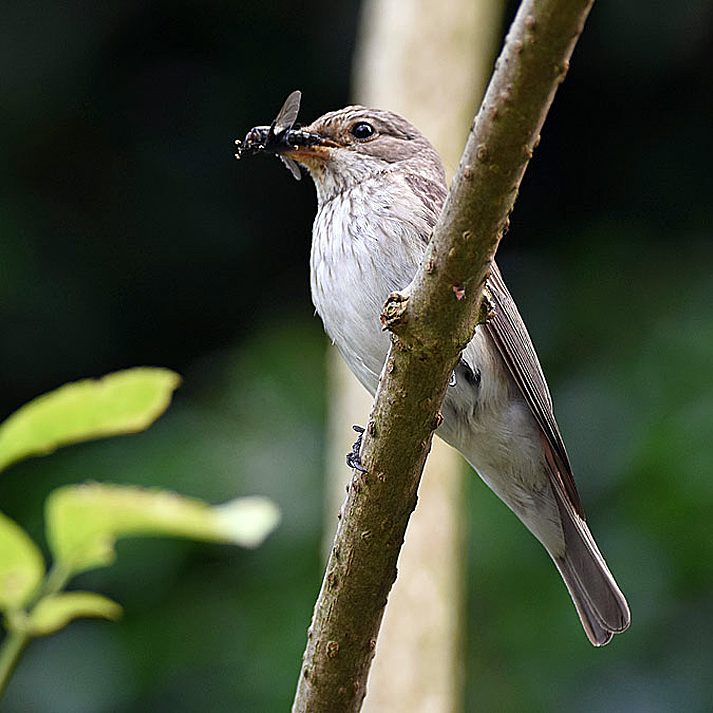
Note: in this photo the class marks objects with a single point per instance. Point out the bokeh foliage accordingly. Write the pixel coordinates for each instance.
(130, 236)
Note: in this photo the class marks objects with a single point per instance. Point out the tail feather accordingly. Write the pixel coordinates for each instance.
(600, 603)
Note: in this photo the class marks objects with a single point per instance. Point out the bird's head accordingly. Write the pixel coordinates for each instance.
(358, 141)
(345, 147)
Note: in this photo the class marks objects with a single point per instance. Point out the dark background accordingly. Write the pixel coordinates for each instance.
(130, 236)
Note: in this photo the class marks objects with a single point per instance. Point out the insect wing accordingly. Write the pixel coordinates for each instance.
(288, 114)
(292, 166)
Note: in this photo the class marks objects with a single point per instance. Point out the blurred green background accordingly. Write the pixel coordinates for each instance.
(129, 236)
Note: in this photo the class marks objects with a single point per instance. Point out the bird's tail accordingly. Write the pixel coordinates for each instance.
(600, 604)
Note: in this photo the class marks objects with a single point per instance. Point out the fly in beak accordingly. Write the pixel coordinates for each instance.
(289, 144)
(286, 140)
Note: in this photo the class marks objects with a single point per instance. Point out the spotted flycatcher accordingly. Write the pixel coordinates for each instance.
(380, 188)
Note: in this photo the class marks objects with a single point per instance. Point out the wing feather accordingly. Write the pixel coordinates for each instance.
(508, 332)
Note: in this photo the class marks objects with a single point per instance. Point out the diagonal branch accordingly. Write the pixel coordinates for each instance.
(431, 322)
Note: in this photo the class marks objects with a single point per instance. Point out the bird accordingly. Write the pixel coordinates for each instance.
(380, 188)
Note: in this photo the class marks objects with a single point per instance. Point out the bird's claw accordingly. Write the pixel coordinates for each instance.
(354, 457)
(487, 311)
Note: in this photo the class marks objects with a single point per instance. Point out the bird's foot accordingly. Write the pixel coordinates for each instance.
(354, 457)
(487, 311)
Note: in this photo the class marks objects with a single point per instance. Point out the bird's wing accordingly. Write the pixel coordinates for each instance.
(509, 333)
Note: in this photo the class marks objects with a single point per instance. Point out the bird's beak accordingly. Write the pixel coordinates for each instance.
(305, 146)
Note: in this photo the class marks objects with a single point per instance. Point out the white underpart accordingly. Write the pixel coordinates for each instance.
(364, 247)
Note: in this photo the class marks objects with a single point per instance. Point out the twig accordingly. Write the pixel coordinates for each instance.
(431, 322)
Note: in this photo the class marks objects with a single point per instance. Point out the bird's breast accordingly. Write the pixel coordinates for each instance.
(364, 246)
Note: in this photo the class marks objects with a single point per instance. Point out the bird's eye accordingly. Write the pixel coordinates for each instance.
(362, 130)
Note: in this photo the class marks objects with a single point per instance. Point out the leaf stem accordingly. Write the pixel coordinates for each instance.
(55, 581)
(12, 647)
(17, 637)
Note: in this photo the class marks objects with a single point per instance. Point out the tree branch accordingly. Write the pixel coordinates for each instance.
(432, 321)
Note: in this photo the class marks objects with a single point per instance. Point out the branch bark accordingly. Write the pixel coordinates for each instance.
(431, 322)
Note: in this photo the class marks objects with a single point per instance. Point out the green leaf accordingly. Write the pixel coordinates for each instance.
(84, 521)
(123, 402)
(55, 611)
(21, 565)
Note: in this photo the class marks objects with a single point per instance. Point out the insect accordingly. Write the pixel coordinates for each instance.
(281, 133)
